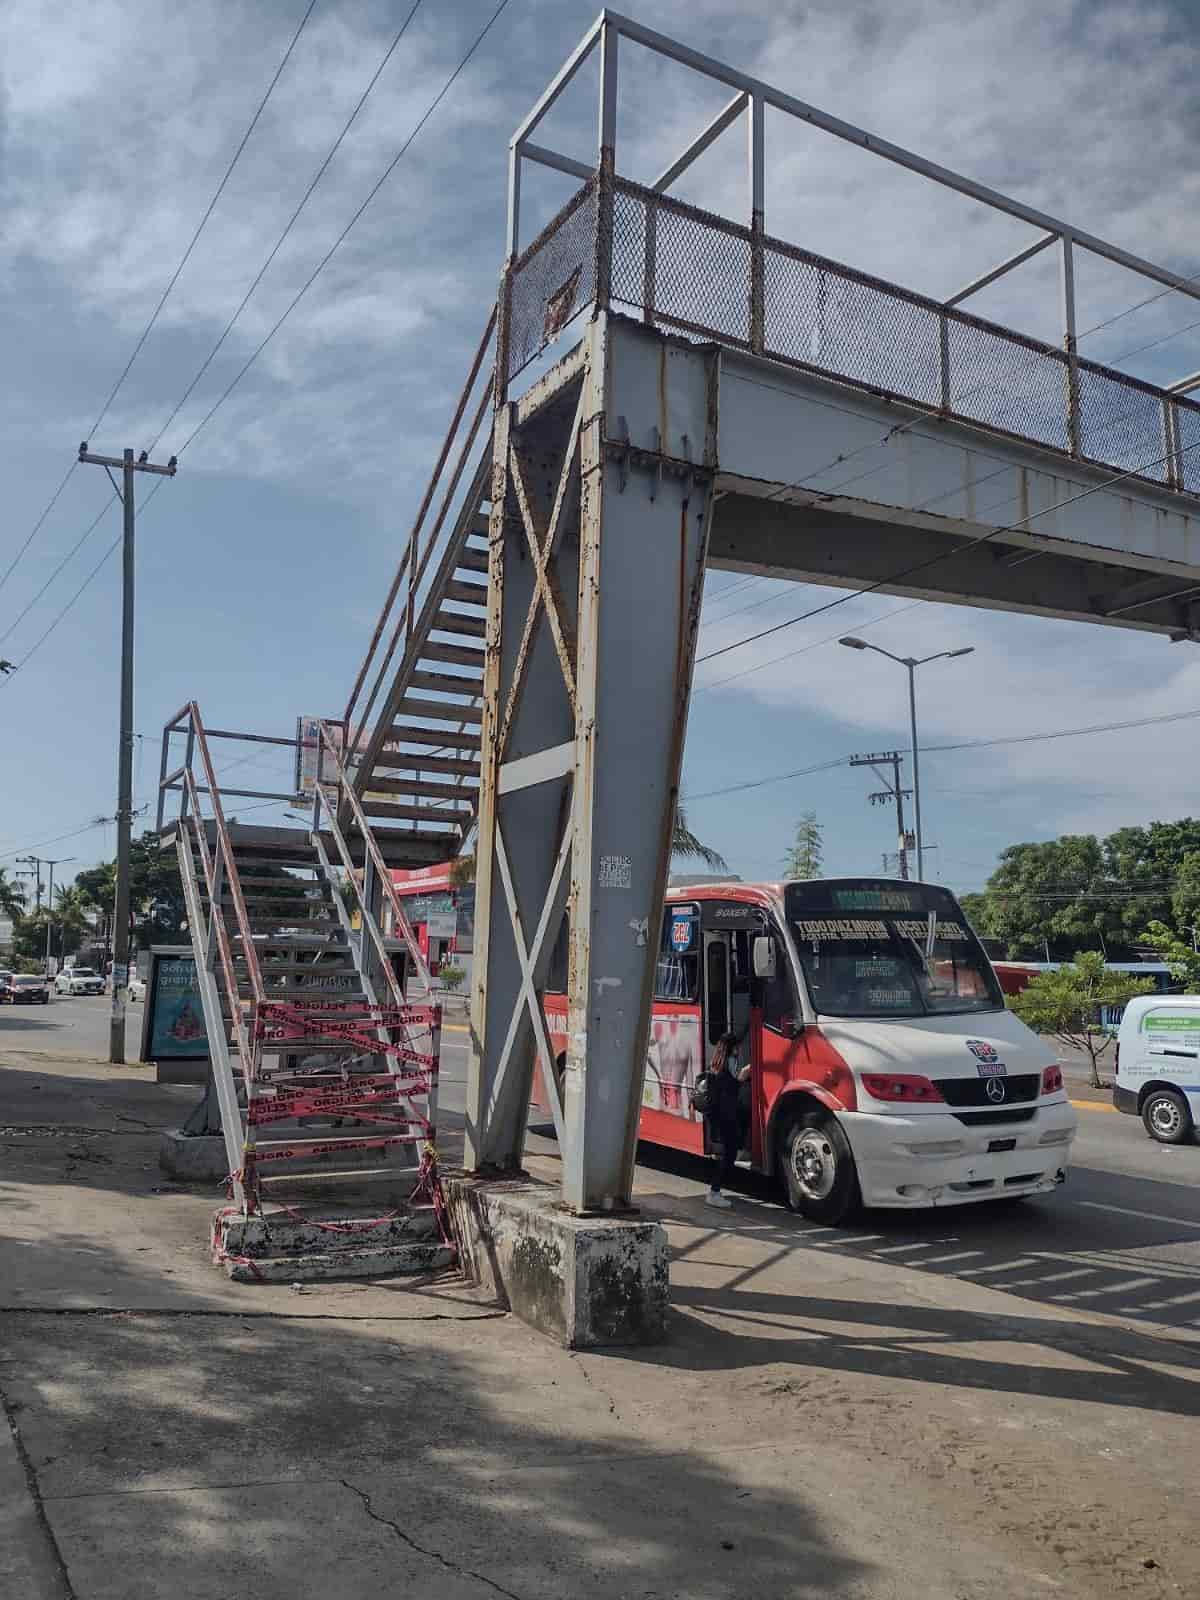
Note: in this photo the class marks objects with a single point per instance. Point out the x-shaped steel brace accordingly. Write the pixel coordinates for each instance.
(546, 597)
(527, 956)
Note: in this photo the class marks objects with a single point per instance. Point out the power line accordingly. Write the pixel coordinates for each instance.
(32, 535)
(441, 95)
(89, 827)
(803, 650)
(968, 744)
(291, 222)
(328, 256)
(84, 536)
(945, 555)
(146, 331)
(36, 646)
(220, 189)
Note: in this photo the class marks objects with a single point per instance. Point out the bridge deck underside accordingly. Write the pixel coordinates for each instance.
(822, 484)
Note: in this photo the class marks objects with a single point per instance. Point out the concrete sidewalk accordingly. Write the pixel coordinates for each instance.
(816, 1426)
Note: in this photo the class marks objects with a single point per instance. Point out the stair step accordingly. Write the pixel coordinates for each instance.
(431, 791)
(414, 847)
(271, 968)
(402, 813)
(446, 682)
(417, 761)
(323, 898)
(460, 622)
(311, 992)
(470, 594)
(473, 560)
(436, 738)
(444, 710)
(302, 859)
(369, 1261)
(452, 654)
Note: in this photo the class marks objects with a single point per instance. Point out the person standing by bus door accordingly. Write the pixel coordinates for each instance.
(725, 1121)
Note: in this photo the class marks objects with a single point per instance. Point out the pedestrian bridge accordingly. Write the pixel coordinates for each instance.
(660, 389)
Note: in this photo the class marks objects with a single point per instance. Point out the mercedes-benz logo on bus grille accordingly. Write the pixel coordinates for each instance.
(996, 1090)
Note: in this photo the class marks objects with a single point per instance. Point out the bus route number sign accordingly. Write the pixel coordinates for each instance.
(683, 925)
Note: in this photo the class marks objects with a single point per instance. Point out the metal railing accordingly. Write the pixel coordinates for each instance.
(624, 244)
(453, 488)
(701, 275)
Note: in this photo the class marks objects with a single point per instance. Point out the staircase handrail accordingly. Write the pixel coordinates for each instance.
(216, 925)
(224, 845)
(346, 795)
(414, 559)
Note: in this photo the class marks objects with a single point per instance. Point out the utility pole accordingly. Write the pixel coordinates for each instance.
(58, 862)
(893, 794)
(36, 863)
(120, 962)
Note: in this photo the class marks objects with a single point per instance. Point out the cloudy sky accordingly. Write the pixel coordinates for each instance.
(261, 566)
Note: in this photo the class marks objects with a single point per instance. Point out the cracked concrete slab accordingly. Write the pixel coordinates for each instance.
(816, 1425)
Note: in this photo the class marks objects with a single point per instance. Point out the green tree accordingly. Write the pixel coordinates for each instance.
(156, 904)
(1066, 1003)
(1179, 954)
(804, 858)
(12, 896)
(686, 845)
(1185, 897)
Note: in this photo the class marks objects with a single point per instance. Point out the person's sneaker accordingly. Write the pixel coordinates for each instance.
(714, 1197)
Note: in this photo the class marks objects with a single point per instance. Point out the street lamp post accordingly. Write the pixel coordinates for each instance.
(911, 663)
(50, 904)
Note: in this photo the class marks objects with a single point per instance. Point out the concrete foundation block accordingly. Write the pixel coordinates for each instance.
(193, 1158)
(583, 1281)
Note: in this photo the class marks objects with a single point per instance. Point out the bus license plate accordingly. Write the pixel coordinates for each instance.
(995, 1146)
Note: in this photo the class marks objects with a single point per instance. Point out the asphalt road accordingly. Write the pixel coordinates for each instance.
(1122, 1236)
(70, 1026)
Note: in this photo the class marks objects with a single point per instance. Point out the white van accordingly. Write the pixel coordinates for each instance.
(1158, 1065)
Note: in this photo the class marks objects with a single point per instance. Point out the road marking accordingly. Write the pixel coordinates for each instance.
(1092, 1105)
(1149, 1216)
(455, 1027)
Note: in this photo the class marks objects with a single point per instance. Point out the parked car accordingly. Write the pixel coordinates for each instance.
(6, 979)
(137, 989)
(79, 980)
(27, 990)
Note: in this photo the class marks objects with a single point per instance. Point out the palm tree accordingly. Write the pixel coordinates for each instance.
(685, 844)
(69, 917)
(12, 896)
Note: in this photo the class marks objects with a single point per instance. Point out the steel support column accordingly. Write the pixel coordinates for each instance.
(600, 516)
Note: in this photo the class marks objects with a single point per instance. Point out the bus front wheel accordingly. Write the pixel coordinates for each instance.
(817, 1168)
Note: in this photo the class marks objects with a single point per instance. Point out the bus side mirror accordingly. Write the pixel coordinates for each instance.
(764, 956)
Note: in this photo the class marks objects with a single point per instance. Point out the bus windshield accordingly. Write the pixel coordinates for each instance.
(873, 948)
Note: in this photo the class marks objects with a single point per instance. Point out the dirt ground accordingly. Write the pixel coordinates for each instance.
(816, 1425)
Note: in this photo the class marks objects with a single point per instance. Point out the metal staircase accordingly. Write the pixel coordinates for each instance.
(323, 1031)
(415, 738)
(323, 1025)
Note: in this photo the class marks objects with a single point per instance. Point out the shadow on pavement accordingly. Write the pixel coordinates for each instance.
(315, 1457)
(1060, 1251)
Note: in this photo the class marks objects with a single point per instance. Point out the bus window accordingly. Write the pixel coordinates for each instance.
(677, 970)
(716, 968)
(778, 1002)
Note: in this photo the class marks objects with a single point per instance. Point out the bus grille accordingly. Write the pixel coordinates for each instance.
(973, 1091)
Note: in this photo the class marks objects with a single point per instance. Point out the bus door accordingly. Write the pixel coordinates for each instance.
(730, 992)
